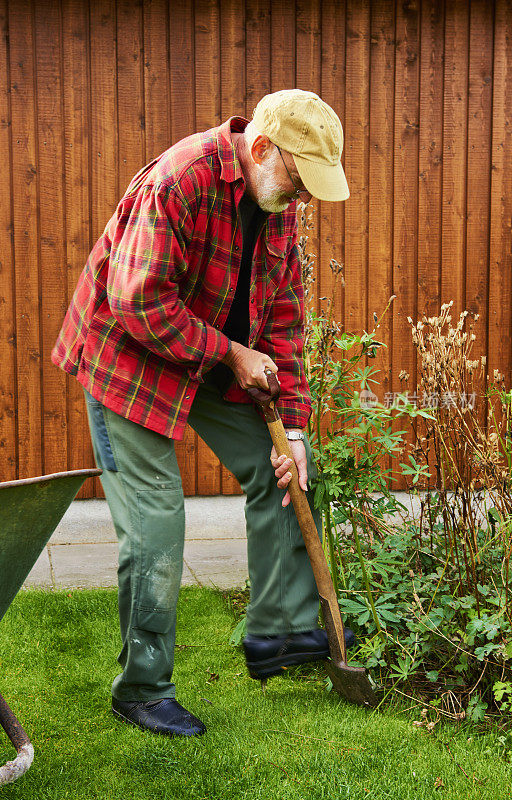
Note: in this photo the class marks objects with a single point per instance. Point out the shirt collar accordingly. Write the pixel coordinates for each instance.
(230, 166)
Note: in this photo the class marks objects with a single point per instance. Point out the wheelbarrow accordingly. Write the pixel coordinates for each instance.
(30, 510)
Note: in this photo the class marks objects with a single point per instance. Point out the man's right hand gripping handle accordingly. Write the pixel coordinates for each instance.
(249, 366)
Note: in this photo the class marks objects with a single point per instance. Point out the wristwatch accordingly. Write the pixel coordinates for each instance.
(295, 436)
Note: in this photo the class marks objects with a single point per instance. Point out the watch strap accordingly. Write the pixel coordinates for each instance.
(295, 436)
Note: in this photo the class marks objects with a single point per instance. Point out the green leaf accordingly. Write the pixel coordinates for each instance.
(388, 615)
(476, 709)
(238, 632)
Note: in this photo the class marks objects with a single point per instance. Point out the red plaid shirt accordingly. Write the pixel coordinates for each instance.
(145, 321)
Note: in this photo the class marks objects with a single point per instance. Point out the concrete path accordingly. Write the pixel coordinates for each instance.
(83, 549)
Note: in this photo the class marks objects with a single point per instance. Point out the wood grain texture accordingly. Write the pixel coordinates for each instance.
(430, 157)
(26, 238)
(208, 98)
(481, 40)
(500, 262)
(77, 170)
(232, 58)
(405, 204)
(186, 453)
(308, 72)
(257, 53)
(182, 69)
(131, 135)
(89, 91)
(380, 189)
(430, 171)
(52, 226)
(357, 141)
(8, 389)
(232, 102)
(183, 123)
(105, 168)
(157, 88)
(455, 130)
(332, 90)
(283, 45)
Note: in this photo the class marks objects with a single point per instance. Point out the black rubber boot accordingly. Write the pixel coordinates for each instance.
(267, 655)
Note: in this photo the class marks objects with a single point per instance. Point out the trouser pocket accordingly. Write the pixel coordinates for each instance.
(161, 523)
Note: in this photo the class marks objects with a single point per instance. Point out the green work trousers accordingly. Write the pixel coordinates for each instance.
(143, 489)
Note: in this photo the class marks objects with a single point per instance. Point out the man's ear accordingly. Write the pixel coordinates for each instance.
(260, 148)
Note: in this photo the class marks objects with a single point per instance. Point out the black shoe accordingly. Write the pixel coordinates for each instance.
(267, 655)
(166, 717)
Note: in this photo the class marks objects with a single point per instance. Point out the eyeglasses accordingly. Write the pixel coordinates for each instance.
(298, 191)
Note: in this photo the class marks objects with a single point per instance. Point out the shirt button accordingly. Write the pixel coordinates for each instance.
(187, 397)
(237, 247)
(230, 288)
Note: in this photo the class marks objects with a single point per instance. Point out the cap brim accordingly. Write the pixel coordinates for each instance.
(323, 181)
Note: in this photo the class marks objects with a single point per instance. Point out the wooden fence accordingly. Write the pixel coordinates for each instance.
(90, 91)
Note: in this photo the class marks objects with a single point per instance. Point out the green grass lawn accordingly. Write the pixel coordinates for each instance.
(57, 660)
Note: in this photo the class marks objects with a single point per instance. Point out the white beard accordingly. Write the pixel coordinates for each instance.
(267, 193)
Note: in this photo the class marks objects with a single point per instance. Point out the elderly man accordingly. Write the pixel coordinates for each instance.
(192, 291)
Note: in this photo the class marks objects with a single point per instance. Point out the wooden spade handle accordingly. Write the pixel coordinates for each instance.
(328, 599)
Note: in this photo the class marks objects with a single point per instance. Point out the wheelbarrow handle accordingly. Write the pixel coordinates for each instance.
(328, 599)
(13, 770)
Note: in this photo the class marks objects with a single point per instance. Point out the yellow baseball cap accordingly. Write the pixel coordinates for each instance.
(302, 124)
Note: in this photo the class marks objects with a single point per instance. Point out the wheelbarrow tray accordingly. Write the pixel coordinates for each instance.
(30, 510)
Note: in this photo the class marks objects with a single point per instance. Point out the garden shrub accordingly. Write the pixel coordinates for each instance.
(428, 593)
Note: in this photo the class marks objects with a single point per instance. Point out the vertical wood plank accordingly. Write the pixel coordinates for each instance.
(207, 69)
(104, 128)
(257, 55)
(130, 92)
(405, 217)
(356, 164)
(232, 101)
(454, 154)
(186, 453)
(308, 45)
(500, 271)
(430, 157)
(430, 167)
(183, 123)
(26, 239)
(232, 58)
(8, 399)
(77, 124)
(207, 48)
(380, 200)
(308, 71)
(481, 36)
(182, 69)
(52, 225)
(332, 215)
(157, 102)
(282, 45)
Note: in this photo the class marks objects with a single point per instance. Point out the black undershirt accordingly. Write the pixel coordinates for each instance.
(236, 326)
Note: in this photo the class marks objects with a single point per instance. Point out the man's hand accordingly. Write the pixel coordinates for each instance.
(249, 366)
(282, 465)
